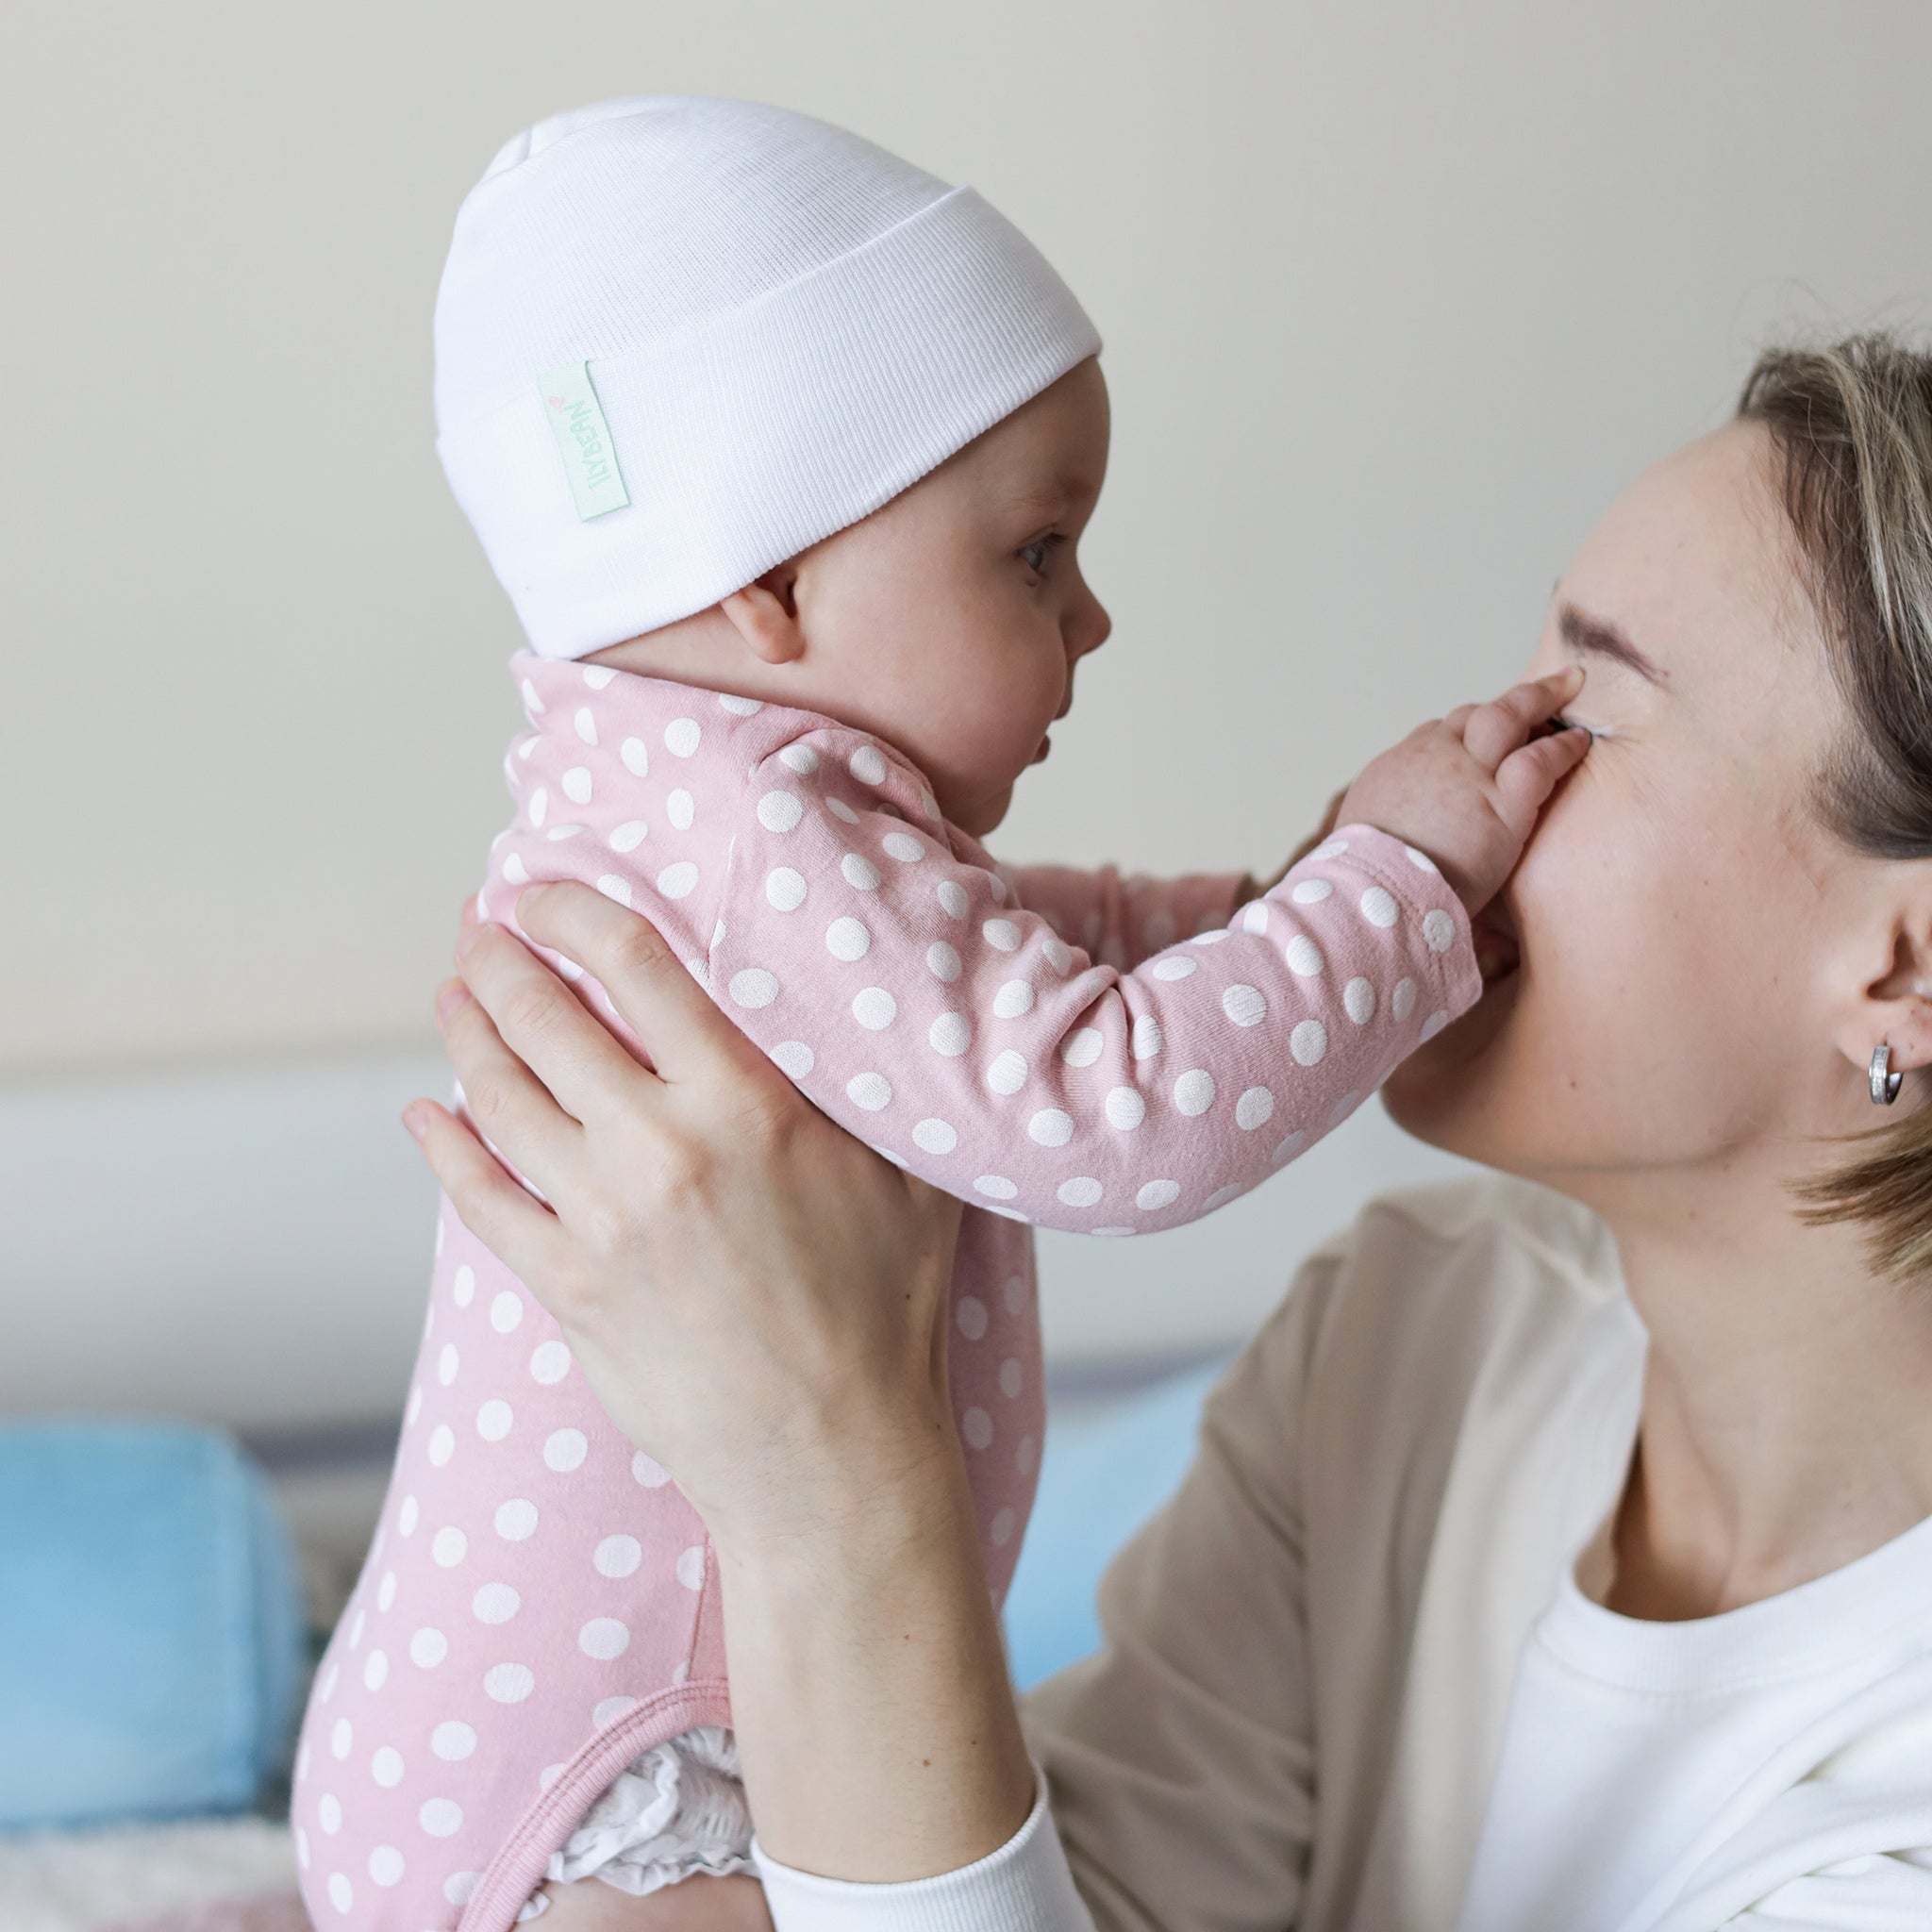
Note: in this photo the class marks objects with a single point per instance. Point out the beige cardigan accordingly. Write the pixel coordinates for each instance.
(1391, 1481)
(1306, 1687)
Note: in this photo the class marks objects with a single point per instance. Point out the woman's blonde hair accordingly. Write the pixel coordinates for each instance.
(1852, 426)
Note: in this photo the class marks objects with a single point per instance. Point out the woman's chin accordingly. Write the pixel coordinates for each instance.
(1440, 1093)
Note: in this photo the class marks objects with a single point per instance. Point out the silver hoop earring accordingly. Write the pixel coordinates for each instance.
(1885, 1084)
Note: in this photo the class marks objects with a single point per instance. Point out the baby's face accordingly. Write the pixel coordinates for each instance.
(948, 622)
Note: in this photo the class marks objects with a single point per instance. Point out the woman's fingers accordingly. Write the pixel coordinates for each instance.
(686, 1036)
(543, 1023)
(510, 1106)
(1494, 731)
(1527, 777)
(489, 1202)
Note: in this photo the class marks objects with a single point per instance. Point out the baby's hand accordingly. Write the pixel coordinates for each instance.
(1467, 789)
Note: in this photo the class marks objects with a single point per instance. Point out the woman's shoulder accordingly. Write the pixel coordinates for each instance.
(1436, 1301)
(1464, 1250)
(1548, 1231)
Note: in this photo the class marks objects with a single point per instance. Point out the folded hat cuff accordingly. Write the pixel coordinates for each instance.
(756, 434)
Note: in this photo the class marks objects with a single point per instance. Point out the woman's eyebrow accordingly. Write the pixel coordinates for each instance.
(1598, 636)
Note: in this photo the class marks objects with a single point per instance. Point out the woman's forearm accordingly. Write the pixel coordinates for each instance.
(876, 1721)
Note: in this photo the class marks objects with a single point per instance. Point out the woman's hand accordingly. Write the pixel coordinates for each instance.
(759, 1302)
(755, 1297)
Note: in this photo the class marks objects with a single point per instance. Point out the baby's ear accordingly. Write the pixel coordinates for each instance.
(765, 616)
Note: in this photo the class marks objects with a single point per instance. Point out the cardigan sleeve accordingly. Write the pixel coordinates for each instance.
(1181, 1755)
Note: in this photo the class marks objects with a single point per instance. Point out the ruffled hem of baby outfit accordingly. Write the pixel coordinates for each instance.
(675, 1811)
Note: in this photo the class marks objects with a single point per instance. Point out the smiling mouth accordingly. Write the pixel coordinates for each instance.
(1498, 945)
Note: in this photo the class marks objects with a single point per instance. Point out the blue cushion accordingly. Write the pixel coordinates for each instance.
(151, 1633)
(1108, 1465)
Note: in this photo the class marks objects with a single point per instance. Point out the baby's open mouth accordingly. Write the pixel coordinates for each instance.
(1498, 946)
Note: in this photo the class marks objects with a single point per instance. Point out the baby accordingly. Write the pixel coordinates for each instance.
(782, 449)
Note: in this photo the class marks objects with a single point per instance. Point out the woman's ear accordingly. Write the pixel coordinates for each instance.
(1895, 1003)
(765, 616)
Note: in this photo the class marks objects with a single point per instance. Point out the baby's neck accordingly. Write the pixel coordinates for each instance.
(704, 651)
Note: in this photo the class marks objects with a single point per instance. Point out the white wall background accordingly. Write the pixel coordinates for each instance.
(1396, 299)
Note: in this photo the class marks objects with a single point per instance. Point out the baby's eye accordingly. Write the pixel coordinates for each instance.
(1034, 555)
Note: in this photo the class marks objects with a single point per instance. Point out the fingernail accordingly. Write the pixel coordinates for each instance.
(468, 937)
(449, 996)
(415, 1123)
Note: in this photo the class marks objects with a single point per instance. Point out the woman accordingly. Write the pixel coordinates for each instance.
(1547, 1561)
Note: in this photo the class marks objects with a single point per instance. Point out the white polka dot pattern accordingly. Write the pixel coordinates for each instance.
(1193, 1092)
(1245, 1006)
(847, 940)
(1013, 1038)
(1008, 1074)
(875, 1008)
(872, 1091)
(1084, 1047)
(1379, 906)
(1304, 957)
(950, 1035)
(753, 988)
(1014, 999)
(794, 1058)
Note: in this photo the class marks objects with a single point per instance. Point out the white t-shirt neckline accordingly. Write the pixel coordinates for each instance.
(1820, 1626)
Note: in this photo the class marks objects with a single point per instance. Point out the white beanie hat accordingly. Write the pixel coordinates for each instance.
(679, 341)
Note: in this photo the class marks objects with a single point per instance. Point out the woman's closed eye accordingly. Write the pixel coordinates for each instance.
(1563, 721)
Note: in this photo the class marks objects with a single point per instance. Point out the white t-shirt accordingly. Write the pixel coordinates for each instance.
(1647, 1768)
(1349, 1684)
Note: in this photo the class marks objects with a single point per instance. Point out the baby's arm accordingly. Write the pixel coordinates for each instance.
(913, 1000)
(1122, 921)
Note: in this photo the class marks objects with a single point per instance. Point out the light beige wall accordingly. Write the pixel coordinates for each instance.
(1393, 306)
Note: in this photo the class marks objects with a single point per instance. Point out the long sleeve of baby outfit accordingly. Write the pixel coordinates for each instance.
(1124, 919)
(895, 975)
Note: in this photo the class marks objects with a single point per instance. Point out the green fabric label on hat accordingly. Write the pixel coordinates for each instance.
(583, 440)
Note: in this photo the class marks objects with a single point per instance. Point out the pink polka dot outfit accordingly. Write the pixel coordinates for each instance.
(1113, 1055)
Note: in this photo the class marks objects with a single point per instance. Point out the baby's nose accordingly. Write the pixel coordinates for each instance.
(1092, 629)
